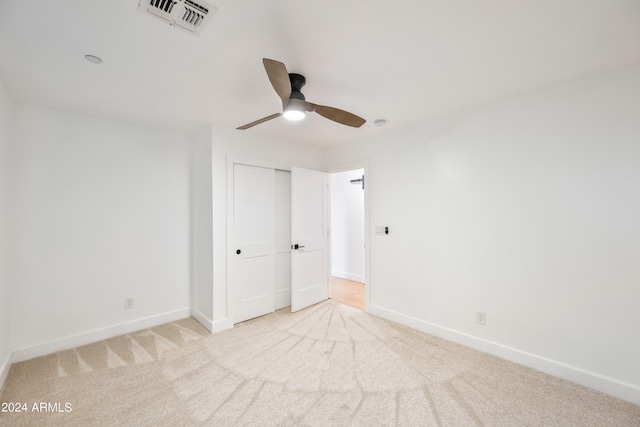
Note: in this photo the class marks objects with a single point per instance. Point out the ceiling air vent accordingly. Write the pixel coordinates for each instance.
(189, 15)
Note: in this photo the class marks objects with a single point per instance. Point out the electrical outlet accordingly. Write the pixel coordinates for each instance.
(481, 318)
(128, 303)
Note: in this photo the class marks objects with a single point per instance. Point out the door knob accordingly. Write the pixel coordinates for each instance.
(238, 251)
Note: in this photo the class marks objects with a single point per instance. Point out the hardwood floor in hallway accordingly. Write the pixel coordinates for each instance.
(347, 292)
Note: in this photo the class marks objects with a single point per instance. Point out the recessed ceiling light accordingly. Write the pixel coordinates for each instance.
(94, 59)
(380, 122)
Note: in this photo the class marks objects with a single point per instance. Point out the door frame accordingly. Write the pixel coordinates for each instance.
(361, 164)
(231, 162)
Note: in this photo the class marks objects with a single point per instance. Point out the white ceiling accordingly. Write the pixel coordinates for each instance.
(403, 61)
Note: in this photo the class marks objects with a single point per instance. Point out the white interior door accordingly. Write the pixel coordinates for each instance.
(254, 241)
(309, 216)
(283, 239)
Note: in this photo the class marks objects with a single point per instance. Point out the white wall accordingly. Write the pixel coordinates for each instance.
(202, 229)
(347, 225)
(6, 111)
(101, 214)
(231, 143)
(527, 210)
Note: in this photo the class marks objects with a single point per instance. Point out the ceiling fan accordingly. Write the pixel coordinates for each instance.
(287, 86)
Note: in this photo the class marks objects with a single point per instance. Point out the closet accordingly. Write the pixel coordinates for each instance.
(267, 270)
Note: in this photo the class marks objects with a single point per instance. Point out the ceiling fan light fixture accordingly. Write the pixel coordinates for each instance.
(294, 115)
(294, 112)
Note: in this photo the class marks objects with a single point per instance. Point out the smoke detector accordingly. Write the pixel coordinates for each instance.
(189, 15)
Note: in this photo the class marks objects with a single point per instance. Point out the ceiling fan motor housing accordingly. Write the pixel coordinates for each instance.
(297, 82)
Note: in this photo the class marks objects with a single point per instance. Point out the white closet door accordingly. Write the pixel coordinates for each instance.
(254, 241)
(309, 217)
(283, 239)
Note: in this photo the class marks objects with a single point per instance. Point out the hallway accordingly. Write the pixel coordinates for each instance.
(347, 292)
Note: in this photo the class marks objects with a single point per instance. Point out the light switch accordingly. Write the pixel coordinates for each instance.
(381, 230)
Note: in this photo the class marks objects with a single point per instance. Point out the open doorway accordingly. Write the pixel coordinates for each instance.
(348, 266)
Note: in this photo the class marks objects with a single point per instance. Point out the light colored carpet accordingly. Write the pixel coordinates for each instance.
(328, 365)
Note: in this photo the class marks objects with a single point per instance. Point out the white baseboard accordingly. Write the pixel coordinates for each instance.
(222, 325)
(99, 334)
(4, 369)
(347, 275)
(202, 319)
(611, 386)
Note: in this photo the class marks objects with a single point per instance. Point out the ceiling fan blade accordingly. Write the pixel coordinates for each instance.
(340, 116)
(262, 120)
(279, 78)
(308, 106)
